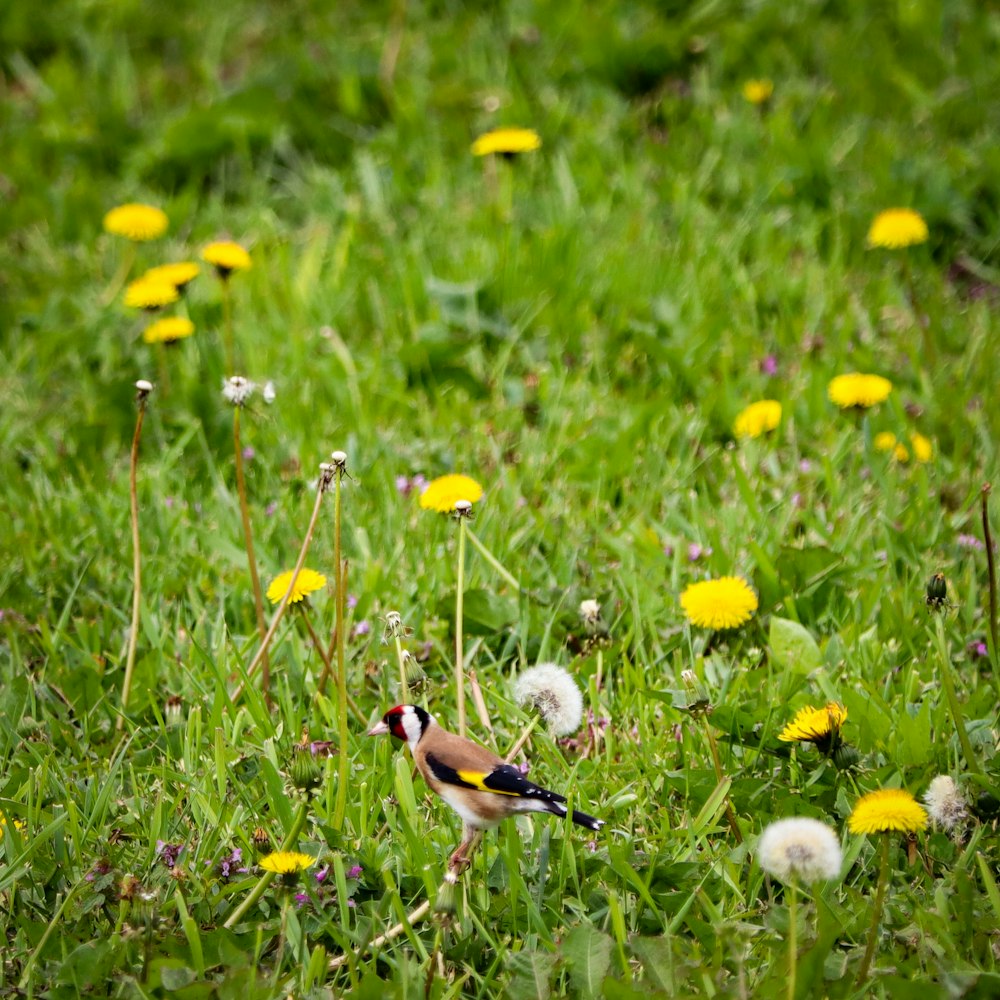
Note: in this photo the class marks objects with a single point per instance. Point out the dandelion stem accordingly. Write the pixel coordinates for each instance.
(298, 822)
(393, 932)
(227, 324)
(404, 687)
(116, 283)
(719, 774)
(343, 761)
(523, 738)
(459, 643)
(792, 939)
(328, 667)
(279, 614)
(492, 559)
(883, 880)
(258, 599)
(991, 564)
(133, 635)
(948, 683)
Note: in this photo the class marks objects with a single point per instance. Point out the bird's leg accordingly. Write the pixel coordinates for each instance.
(461, 859)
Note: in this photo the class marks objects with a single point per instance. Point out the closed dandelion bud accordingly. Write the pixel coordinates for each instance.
(306, 772)
(445, 902)
(987, 807)
(937, 591)
(173, 710)
(260, 839)
(414, 672)
(845, 757)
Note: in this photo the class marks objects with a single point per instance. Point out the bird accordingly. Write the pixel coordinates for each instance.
(481, 787)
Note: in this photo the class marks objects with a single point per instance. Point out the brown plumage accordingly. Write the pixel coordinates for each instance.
(474, 781)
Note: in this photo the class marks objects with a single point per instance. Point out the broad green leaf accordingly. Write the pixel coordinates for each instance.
(588, 953)
(793, 647)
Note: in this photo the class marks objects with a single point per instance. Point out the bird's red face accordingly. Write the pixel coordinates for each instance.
(405, 722)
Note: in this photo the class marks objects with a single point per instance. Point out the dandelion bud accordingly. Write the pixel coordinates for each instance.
(173, 710)
(261, 839)
(445, 902)
(414, 672)
(845, 757)
(306, 772)
(937, 591)
(393, 626)
(987, 807)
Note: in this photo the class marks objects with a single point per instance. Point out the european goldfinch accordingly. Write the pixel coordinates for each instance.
(474, 781)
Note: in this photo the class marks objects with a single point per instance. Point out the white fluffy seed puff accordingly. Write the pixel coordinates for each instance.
(553, 692)
(800, 850)
(945, 803)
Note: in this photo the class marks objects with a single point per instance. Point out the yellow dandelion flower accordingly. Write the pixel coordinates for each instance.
(819, 726)
(144, 293)
(885, 441)
(138, 223)
(857, 390)
(443, 493)
(286, 862)
(178, 275)
(758, 418)
(226, 256)
(18, 824)
(923, 450)
(896, 228)
(885, 810)
(168, 330)
(758, 91)
(507, 142)
(307, 581)
(719, 604)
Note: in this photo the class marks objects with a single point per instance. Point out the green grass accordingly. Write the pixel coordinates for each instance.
(577, 330)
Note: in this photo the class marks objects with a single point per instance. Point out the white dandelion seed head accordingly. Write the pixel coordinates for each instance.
(339, 458)
(267, 392)
(800, 850)
(238, 390)
(553, 692)
(945, 802)
(590, 611)
(143, 386)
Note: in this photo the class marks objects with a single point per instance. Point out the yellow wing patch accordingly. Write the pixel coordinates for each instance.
(477, 779)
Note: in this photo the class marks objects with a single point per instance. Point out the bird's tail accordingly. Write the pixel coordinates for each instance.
(580, 818)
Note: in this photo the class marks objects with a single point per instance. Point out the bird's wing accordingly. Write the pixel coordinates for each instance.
(501, 779)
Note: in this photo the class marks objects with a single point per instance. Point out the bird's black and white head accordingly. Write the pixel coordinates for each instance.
(405, 722)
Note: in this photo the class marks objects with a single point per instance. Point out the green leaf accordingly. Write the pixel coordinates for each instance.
(793, 647)
(588, 953)
(656, 960)
(531, 972)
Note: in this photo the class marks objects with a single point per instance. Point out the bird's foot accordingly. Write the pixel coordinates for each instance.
(458, 862)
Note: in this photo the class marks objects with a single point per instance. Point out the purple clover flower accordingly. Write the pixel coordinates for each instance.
(970, 542)
(169, 853)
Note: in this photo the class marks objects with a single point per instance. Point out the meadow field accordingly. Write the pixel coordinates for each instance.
(699, 298)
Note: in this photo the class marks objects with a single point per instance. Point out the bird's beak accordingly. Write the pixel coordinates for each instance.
(379, 729)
